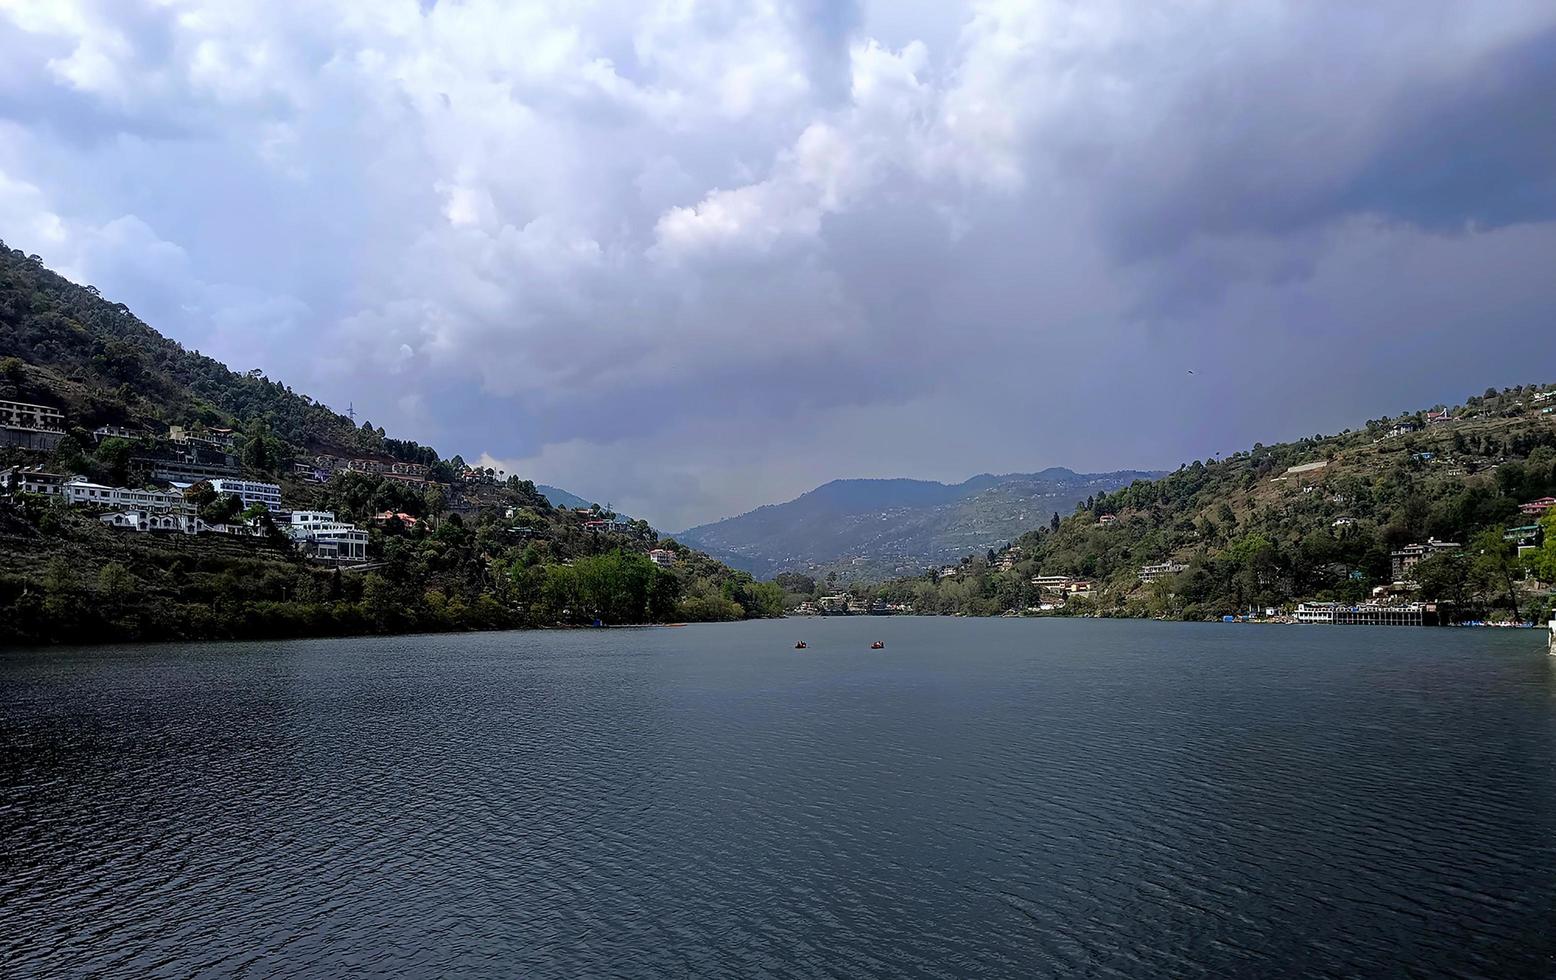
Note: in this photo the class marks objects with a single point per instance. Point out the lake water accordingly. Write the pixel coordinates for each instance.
(981, 798)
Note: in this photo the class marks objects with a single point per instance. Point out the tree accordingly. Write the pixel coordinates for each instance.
(1494, 562)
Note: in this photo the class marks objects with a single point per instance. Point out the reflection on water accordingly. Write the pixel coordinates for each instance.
(981, 797)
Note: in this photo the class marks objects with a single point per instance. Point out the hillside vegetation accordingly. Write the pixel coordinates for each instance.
(868, 530)
(478, 549)
(1317, 518)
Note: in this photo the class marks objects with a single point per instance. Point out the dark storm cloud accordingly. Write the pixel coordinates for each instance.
(695, 257)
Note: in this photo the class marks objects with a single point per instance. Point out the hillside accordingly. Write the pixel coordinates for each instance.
(1325, 518)
(471, 549)
(867, 530)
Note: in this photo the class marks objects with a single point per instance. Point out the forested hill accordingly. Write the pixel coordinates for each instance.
(866, 530)
(98, 361)
(449, 546)
(1317, 518)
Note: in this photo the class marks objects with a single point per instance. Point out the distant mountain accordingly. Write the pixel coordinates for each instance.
(872, 529)
(561, 498)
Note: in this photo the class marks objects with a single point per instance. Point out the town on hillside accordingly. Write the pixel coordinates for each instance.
(1436, 517)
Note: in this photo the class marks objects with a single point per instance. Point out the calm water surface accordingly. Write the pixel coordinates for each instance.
(982, 798)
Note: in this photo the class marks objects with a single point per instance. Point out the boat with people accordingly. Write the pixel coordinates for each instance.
(1550, 637)
(800, 645)
(877, 645)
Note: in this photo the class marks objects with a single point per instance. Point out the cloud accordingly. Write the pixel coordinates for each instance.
(696, 256)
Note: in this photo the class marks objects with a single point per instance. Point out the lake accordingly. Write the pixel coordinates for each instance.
(981, 798)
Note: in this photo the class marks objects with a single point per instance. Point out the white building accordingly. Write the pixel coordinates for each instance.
(1056, 583)
(1316, 612)
(140, 520)
(663, 557)
(267, 495)
(1150, 573)
(80, 491)
(324, 538)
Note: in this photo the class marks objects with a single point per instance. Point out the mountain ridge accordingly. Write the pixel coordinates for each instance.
(872, 527)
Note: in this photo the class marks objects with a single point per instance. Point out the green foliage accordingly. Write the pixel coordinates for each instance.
(1255, 534)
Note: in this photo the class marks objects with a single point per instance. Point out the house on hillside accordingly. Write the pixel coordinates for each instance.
(1408, 557)
(663, 557)
(24, 425)
(1535, 508)
(251, 492)
(1150, 573)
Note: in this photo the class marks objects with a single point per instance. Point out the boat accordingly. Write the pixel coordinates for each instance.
(877, 645)
(1550, 638)
(800, 645)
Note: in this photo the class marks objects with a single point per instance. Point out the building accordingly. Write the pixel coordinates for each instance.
(1150, 573)
(1410, 555)
(663, 557)
(1339, 522)
(1535, 508)
(1316, 612)
(1438, 418)
(214, 438)
(24, 425)
(389, 515)
(18, 480)
(1107, 518)
(190, 462)
(252, 493)
(1375, 614)
(79, 491)
(140, 520)
(320, 536)
(1052, 583)
(1079, 589)
(24, 415)
(310, 471)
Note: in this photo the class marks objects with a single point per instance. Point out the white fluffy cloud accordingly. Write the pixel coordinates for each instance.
(694, 256)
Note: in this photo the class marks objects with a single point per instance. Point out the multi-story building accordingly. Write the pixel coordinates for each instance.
(1150, 573)
(1408, 557)
(27, 426)
(18, 480)
(81, 491)
(323, 538)
(251, 492)
(1053, 583)
(23, 415)
(663, 557)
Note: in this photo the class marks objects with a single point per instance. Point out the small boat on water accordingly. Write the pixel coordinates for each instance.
(1550, 638)
(800, 645)
(877, 645)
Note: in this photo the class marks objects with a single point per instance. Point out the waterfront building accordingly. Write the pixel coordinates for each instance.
(1316, 612)
(251, 492)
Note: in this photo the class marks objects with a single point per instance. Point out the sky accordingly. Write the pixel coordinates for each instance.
(693, 257)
